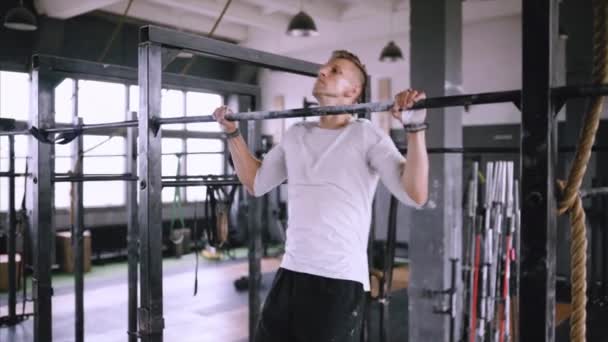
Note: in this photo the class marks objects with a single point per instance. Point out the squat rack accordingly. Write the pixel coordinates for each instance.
(46, 73)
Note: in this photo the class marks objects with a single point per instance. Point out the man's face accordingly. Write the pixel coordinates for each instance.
(338, 78)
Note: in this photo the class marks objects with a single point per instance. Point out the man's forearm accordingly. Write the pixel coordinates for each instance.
(416, 173)
(245, 164)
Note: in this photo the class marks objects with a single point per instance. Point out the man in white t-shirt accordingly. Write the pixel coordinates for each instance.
(333, 167)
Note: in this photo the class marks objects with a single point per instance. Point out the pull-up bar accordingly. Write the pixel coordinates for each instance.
(513, 96)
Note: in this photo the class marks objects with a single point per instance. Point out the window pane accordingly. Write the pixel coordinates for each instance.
(205, 145)
(63, 194)
(172, 105)
(134, 98)
(63, 158)
(202, 104)
(64, 100)
(21, 153)
(102, 194)
(4, 195)
(102, 145)
(100, 102)
(14, 95)
(98, 194)
(202, 164)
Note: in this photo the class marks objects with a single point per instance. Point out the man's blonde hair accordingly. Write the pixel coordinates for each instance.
(344, 54)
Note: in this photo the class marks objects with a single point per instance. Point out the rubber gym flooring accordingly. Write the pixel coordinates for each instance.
(217, 313)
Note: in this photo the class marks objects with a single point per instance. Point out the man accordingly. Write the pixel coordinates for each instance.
(333, 167)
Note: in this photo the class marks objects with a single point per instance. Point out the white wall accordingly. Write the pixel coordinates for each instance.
(491, 62)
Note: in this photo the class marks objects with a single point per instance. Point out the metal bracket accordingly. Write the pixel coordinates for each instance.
(148, 324)
(37, 288)
(441, 308)
(155, 125)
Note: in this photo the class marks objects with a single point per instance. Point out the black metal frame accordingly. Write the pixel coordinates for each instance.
(78, 230)
(536, 269)
(153, 41)
(47, 71)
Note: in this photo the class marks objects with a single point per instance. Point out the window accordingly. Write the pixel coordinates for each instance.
(202, 104)
(64, 101)
(14, 104)
(100, 102)
(14, 95)
(172, 105)
(202, 163)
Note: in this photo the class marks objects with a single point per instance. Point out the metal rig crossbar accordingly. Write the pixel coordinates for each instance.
(514, 96)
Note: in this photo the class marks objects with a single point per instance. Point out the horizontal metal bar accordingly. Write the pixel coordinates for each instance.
(88, 70)
(8, 174)
(594, 192)
(94, 178)
(92, 127)
(207, 46)
(574, 91)
(124, 155)
(383, 106)
(203, 177)
(496, 150)
(120, 131)
(7, 124)
(15, 132)
(186, 183)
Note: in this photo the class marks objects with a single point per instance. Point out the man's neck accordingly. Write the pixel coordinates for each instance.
(333, 121)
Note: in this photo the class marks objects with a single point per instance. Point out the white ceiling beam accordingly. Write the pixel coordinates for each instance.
(319, 9)
(239, 13)
(65, 9)
(179, 19)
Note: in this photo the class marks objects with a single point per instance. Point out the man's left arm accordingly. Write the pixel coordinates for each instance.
(415, 175)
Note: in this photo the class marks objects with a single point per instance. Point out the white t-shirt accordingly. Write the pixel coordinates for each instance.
(332, 178)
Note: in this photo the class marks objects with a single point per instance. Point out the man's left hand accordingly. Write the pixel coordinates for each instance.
(404, 101)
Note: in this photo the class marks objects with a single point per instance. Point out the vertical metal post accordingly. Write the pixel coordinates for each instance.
(436, 67)
(12, 234)
(151, 322)
(78, 228)
(132, 227)
(538, 212)
(255, 233)
(41, 196)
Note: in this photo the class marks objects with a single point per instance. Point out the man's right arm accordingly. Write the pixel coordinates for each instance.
(245, 164)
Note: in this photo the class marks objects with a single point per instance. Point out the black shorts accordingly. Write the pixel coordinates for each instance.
(302, 307)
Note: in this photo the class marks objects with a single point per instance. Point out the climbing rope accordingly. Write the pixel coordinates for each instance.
(570, 198)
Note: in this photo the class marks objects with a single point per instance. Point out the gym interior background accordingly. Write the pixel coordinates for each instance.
(470, 47)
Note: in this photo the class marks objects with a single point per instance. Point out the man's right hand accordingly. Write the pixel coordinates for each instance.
(220, 116)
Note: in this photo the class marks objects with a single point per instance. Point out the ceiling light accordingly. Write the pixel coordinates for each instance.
(302, 25)
(20, 18)
(391, 53)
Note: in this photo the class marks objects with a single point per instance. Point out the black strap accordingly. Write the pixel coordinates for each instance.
(210, 217)
(62, 139)
(196, 248)
(24, 225)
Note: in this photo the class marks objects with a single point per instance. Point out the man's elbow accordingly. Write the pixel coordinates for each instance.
(251, 190)
(419, 197)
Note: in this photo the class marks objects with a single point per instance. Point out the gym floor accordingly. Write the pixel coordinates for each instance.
(217, 313)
